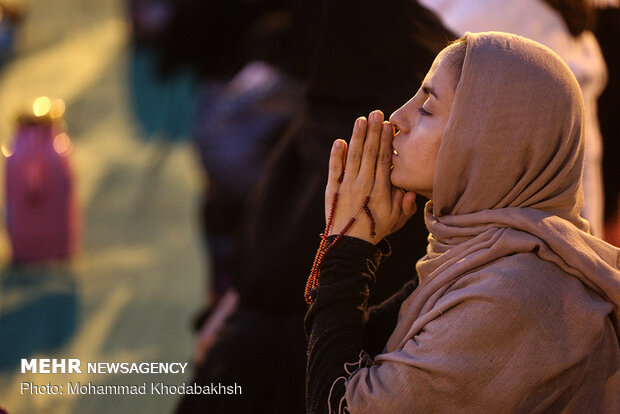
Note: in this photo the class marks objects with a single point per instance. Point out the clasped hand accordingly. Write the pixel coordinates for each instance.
(367, 162)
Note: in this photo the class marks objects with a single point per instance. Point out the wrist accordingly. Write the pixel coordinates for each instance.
(351, 256)
(358, 226)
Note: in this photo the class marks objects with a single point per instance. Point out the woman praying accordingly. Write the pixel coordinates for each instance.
(517, 307)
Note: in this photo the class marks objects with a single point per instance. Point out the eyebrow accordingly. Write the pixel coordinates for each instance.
(429, 91)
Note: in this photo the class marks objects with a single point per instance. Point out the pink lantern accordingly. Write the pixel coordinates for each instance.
(42, 219)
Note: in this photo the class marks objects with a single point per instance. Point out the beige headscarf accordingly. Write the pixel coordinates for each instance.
(502, 320)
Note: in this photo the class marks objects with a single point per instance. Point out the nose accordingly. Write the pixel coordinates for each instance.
(399, 118)
(395, 120)
(394, 117)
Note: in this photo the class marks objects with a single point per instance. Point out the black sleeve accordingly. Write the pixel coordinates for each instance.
(336, 319)
(382, 320)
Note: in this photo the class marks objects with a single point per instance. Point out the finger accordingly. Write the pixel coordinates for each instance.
(336, 165)
(371, 146)
(404, 207)
(356, 146)
(384, 159)
(397, 201)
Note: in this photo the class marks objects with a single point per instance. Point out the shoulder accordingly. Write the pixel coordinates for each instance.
(517, 276)
(534, 292)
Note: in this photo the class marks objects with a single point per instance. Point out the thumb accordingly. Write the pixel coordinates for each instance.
(409, 206)
(406, 207)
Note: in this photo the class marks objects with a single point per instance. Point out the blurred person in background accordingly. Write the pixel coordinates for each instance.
(163, 92)
(245, 95)
(565, 27)
(255, 337)
(250, 92)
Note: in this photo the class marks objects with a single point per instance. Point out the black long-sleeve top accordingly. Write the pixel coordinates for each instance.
(339, 324)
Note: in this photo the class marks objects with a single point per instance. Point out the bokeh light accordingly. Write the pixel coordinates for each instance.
(62, 144)
(57, 108)
(7, 149)
(41, 106)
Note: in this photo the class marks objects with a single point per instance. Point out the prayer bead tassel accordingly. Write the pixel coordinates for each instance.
(313, 278)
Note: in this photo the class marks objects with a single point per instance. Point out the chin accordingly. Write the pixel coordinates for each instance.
(394, 180)
(397, 181)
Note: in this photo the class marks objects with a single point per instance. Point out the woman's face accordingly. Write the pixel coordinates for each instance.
(420, 124)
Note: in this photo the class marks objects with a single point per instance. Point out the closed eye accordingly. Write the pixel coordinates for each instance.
(424, 112)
